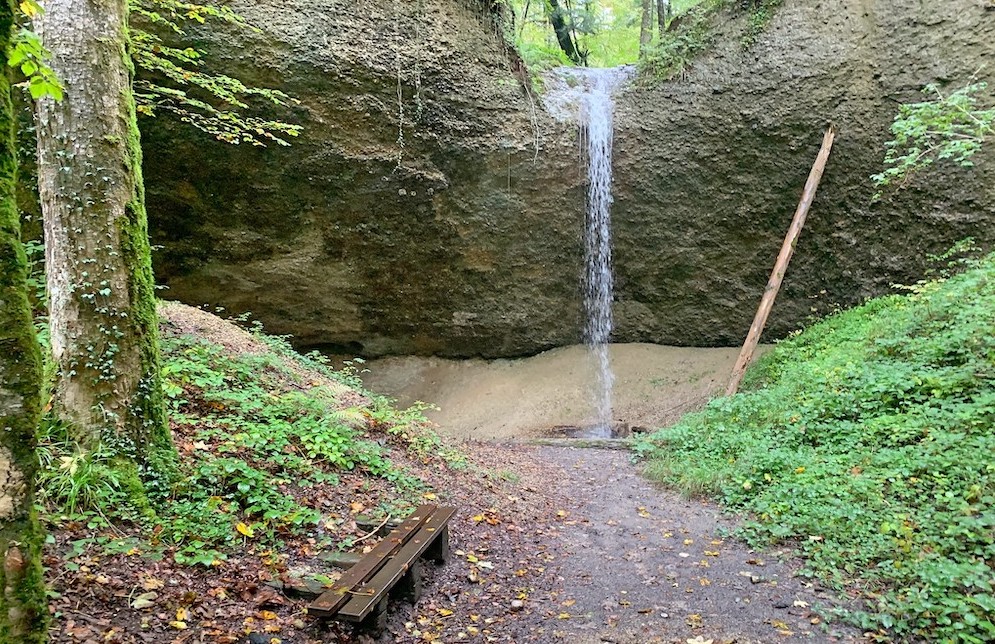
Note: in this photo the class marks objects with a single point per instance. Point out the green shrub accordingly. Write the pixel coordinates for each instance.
(867, 443)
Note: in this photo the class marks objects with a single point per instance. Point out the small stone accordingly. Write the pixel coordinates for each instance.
(517, 605)
(781, 603)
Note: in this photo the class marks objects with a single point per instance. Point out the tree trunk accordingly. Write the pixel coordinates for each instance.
(646, 28)
(662, 15)
(99, 271)
(562, 30)
(23, 615)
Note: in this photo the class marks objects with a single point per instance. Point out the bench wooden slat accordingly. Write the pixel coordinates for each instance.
(366, 597)
(332, 599)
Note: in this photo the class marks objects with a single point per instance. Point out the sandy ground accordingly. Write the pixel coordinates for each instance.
(501, 399)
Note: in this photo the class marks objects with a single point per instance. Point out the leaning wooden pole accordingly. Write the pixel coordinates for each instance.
(781, 265)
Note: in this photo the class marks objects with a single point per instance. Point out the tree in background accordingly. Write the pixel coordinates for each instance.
(603, 33)
(646, 28)
(662, 15)
(102, 311)
(23, 612)
(558, 18)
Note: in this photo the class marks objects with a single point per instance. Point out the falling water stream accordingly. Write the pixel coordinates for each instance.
(596, 135)
(589, 91)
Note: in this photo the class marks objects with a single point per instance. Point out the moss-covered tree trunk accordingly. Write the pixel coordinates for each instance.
(23, 614)
(98, 263)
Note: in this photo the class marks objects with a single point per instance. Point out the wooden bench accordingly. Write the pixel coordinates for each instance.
(361, 594)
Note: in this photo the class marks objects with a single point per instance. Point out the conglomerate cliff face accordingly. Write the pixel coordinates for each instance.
(454, 239)
(709, 169)
(458, 239)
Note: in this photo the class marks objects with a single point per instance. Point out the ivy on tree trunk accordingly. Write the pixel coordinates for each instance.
(98, 262)
(23, 612)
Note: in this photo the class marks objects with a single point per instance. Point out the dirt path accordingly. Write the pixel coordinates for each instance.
(577, 547)
(645, 565)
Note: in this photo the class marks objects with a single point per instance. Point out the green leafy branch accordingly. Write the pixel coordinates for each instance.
(27, 54)
(944, 127)
(184, 89)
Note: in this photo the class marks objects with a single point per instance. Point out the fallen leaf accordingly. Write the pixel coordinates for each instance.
(144, 600)
(151, 583)
(244, 529)
(178, 625)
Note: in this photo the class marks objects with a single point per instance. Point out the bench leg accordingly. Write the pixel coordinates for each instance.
(376, 621)
(409, 586)
(439, 550)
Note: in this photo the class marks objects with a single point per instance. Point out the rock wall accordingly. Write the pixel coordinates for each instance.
(709, 168)
(471, 246)
(458, 241)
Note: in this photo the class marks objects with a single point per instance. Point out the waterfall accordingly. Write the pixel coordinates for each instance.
(584, 96)
(596, 136)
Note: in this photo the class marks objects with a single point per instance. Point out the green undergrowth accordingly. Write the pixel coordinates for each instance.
(689, 36)
(867, 443)
(759, 15)
(692, 33)
(270, 444)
